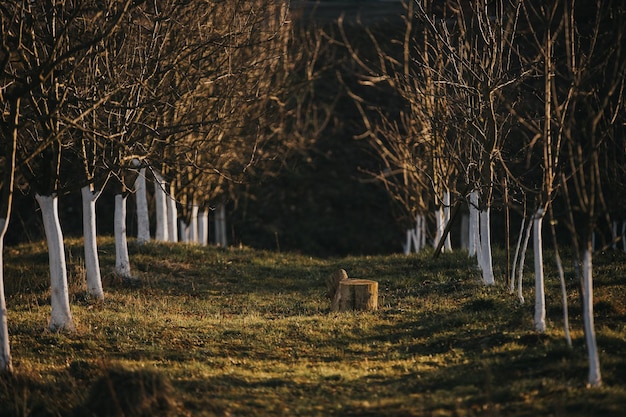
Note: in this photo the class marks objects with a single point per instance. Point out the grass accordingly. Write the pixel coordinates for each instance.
(239, 332)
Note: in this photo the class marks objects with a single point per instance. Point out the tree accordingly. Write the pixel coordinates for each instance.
(590, 97)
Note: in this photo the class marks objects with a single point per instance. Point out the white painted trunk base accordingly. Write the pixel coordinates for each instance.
(143, 221)
(172, 217)
(220, 225)
(60, 315)
(193, 224)
(6, 363)
(183, 231)
(416, 237)
(473, 224)
(160, 202)
(540, 296)
(595, 379)
(439, 226)
(203, 227)
(92, 262)
(485, 247)
(122, 260)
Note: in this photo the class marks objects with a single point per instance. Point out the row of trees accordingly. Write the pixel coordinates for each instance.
(508, 104)
(191, 95)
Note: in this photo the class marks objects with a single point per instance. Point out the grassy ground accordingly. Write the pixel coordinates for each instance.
(237, 332)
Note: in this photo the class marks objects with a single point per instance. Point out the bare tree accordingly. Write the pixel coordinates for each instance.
(590, 99)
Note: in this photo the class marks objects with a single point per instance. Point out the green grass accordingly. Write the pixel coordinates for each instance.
(239, 332)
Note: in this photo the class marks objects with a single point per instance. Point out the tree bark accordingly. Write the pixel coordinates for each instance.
(92, 263)
(60, 315)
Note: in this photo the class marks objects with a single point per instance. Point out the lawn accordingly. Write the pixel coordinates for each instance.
(239, 332)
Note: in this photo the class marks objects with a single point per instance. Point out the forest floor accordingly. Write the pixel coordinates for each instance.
(205, 331)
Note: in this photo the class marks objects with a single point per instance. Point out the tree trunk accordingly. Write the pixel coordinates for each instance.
(595, 379)
(356, 294)
(473, 223)
(446, 219)
(122, 260)
(60, 315)
(143, 221)
(92, 263)
(516, 256)
(439, 225)
(540, 296)
(408, 242)
(160, 201)
(485, 247)
(6, 364)
(172, 216)
(203, 227)
(220, 225)
(193, 224)
(520, 268)
(183, 231)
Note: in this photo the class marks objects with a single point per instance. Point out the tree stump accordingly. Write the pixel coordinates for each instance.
(356, 294)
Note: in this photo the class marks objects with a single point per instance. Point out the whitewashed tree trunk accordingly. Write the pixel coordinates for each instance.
(540, 296)
(485, 247)
(439, 226)
(516, 256)
(172, 216)
(447, 246)
(160, 202)
(520, 270)
(595, 379)
(473, 223)
(183, 231)
(60, 315)
(419, 238)
(422, 229)
(6, 364)
(220, 225)
(193, 224)
(408, 242)
(203, 227)
(92, 262)
(122, 260)
(143, 221)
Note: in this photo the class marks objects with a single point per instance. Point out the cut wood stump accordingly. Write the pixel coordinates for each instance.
(356, 294)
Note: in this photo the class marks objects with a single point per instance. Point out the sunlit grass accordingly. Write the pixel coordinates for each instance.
(245, 332)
